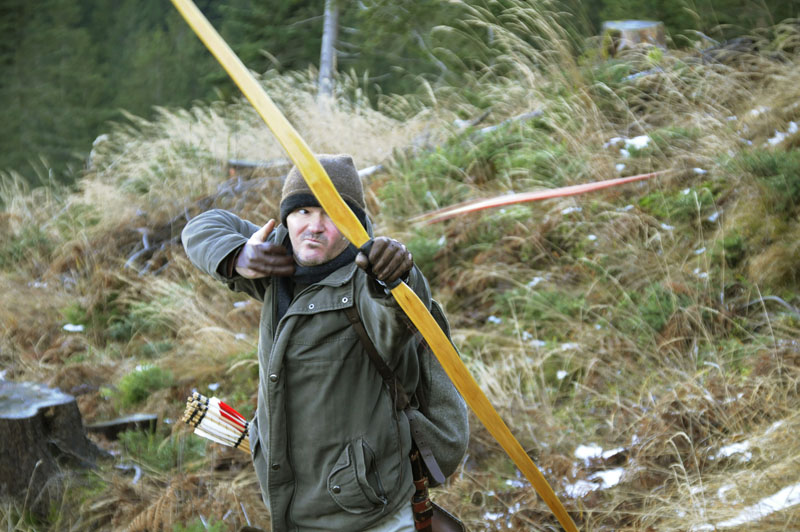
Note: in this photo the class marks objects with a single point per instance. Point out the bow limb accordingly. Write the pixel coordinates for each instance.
(347, 223)
(287, 136)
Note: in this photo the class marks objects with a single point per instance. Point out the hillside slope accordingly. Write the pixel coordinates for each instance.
(640, 342)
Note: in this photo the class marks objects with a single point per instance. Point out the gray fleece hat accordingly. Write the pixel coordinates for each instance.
(344, 176)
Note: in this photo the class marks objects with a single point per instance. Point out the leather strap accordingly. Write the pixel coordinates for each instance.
(401, 400)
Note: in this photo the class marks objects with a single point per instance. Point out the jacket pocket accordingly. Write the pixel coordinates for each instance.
(354, 482)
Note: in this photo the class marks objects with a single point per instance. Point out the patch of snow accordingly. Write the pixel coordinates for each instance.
(686, 191)
(722, 493)
(742, 448)
(699, 171)
(699, 251)
(214, 386)
(240, 336)
(580, 488)
(625, 153)
(667, 227)
(493, 516)
(773, 427)
(514, 483)
(780, 136)
(561, 374)
(637, 143)
(441, 241)
(591, 238)
(587, 452)
(785, 498)
(241, 304)
(526, 336)
(570, 210)
(494, 319)
(732, 399)
(536, 280)
(71, 327)
(609, 478)
(538, 343)
(569, 345)
(619, 167)
(626, 208)
(615, 141)
(611, 452)
(714, 217)
(758, 111)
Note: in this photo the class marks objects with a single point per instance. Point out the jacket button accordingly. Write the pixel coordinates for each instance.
(336, 489)
(275, 467)
(345, 300)
(311, 306)
(274, 377)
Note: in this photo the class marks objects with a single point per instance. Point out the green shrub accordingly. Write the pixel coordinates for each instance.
(424, 244)
(138, 385)
(681, 206)
(647, 310)
(162, 453)
(198, 525)
(547, 308)
(779, 171)
(733, 248)
(30, 242)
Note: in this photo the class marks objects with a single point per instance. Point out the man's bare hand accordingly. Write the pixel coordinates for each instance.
(389, 258)
(259, 258)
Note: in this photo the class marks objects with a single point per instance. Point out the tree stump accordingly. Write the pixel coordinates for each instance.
(42, 432)
(619, 35)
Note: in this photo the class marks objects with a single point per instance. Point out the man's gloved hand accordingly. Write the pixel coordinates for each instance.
(259, 258)
(390, 259)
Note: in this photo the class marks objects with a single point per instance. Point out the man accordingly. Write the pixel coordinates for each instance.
(329, 448)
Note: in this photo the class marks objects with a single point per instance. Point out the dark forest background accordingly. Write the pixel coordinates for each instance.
(68, 67)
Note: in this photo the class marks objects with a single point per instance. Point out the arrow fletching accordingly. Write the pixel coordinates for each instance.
(216, 421)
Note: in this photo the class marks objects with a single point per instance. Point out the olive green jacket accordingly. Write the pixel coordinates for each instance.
(330, 451)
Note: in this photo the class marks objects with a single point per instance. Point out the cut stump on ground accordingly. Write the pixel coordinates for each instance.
(42, 435)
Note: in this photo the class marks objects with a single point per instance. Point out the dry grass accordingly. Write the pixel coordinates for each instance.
(656, 320)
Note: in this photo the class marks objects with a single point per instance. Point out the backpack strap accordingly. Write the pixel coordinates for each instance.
(401, 400)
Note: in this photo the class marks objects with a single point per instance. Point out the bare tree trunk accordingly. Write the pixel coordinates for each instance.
(327, 56)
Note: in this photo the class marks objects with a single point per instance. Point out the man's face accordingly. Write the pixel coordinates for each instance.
(315, 239)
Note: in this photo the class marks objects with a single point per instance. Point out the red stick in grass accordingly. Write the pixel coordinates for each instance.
(509, 199)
